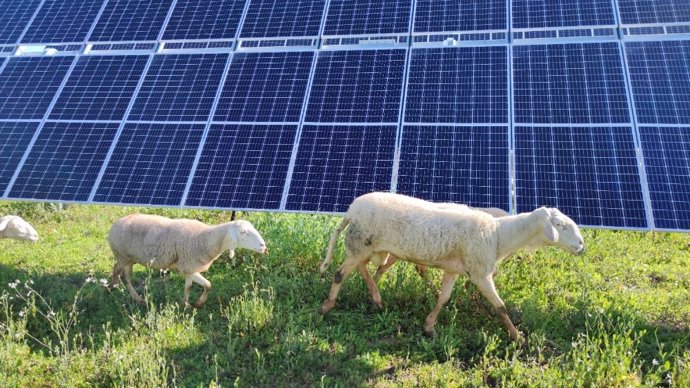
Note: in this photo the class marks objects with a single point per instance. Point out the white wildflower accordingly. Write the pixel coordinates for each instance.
(103, 282)
(655, 362)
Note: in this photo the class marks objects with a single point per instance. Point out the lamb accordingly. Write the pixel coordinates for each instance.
(189, 246)
(469, 242)
(17, 228)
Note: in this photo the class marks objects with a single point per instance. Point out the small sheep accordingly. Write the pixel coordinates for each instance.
(188, 246)
(17, 228)
(421, 270)
(468, 242)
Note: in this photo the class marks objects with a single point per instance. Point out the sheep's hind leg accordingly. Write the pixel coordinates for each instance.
(371, 285)
(197, 278)
(348, 266)
(127, 271)
(387, 263)
(447, 284)
(488, 289)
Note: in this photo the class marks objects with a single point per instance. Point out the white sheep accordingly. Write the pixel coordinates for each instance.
(468, 242)
(17, 228)
(189, 246)
(388, 261)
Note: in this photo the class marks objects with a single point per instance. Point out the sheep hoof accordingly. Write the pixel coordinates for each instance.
(198, 305)
(429, 332)
(377, 306)
(325, 308)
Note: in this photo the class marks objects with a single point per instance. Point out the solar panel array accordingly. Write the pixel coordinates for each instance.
(304, 105)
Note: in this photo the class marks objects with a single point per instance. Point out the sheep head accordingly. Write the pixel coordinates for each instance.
(561, 231)
(16, 228)
(246, 236)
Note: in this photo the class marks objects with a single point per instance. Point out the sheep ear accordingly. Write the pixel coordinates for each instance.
(3, 224)
(550, 232)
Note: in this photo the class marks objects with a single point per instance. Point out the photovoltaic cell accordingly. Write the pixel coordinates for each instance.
(150, 164)
(131, 20)
(562, 13)
(28, 85)
(14, 138)
(357, 86)
(179, 87)
(569, 83)
(645, 11)
(660, 80)
(64, 161)
(204, 19)
(357, 17)
(63, 21)
(667, 164)
(99, 88)
(468, 15)
(265, 87)
(458, 85)
(243, 167)
(336, 164)
(589, 173)
(456, 164)
(15, 16)
(279, 18)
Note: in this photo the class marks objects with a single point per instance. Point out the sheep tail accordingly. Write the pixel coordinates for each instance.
(331, 244)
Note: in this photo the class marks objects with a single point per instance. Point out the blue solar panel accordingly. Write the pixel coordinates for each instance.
(667, 164)
(150, 164)
(569, 83)
(335, 164)
(129, 20)
(660, 80)
(204, 19)
(357, 86)
(562, 13)
(63, 21)
(28, 85)
(179, 88)
(279, 18)
(243, 166)
(14, 138)
(468, 15)
(589, 173)
(646, 11)
(357, 17)
(64, 161)
(265, 87)
(15, 15)
(456, 164)
(99, 88)
(458, 85)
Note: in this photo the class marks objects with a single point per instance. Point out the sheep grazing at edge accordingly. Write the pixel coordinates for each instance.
(17, 228)
(389, 260)
(469, 242)
(188, 246)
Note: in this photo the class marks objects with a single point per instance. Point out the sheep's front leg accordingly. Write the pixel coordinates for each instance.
(127, 271)
(196, 278)
(488, 289)
(371, 285)
(447, 284)
(348, 266)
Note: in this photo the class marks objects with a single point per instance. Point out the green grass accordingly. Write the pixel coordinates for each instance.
(617, 316)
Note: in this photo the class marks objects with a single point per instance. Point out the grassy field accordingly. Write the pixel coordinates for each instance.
(617, 316)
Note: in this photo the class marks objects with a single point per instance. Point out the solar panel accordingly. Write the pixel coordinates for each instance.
(645, 11)
(589, 173)
(667, 163)
(28, 85)
(14, 138)
(569, 83)
(99, 88)
(204, 19)
(150, 164)
(357, 17)
(131, 20)
(562, 13)
(460, 164)
(278, 18)
(63, 21)
(337, 163)
(660, 81)
(265, 87)
(357, 86)
(15, 17)
(64, 161)
(468, 15)
(243, 167)
(179, 87)
(458, 85)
